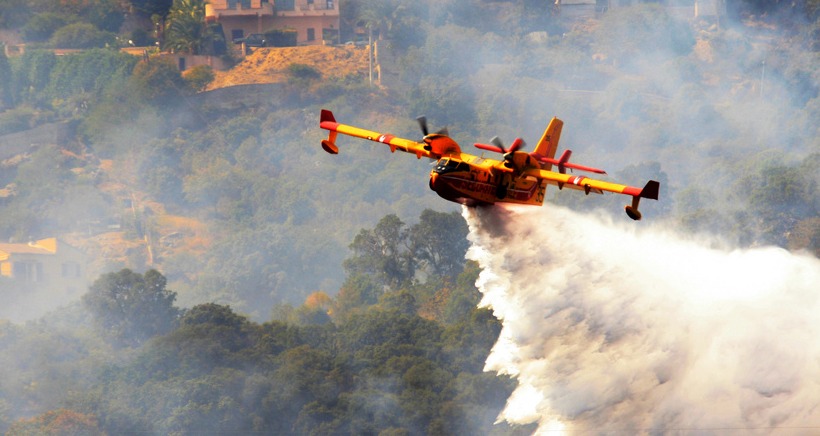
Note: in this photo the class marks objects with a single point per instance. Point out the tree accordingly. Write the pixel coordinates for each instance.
(107, 15)
(188, 32)
(41, 26)
(358, 291)
(400, 21)
(70, 76)
(130, 307)
(81, 35)
(153, 7)
(159, 82)
(31, 75)
(383, 253)
(199, 77)
(440, 241)
(14, 13)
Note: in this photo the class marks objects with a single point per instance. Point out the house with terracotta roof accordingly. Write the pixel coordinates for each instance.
(46, 264)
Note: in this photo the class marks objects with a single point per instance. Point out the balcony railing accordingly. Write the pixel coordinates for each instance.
(240, 9)
(306, 6)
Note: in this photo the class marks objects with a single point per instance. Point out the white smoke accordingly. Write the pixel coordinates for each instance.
(625, 327)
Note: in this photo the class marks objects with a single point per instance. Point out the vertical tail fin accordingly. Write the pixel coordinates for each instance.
(549, 141)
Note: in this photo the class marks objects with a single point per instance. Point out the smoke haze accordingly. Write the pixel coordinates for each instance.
(616, 326)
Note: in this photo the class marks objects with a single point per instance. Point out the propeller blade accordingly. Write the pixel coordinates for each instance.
(488, 147)
(497, 142)
(584, 168)
(443, 131)
(517, 144)
(568, 165)
(423, 124)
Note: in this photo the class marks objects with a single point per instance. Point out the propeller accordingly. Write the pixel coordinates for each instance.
(423, 124)
(426, 132)
(563, 163)
(498, 147)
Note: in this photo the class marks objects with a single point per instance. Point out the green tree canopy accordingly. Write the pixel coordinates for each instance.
(153, 7)
(383, 253)
(81, 35)
(159, 82)
(439, 240)
(130, 307)
(187, 31)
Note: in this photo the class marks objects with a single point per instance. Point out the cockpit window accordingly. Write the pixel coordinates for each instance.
(449, 165)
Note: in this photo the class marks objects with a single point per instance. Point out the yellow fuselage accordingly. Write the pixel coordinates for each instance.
(473, 180)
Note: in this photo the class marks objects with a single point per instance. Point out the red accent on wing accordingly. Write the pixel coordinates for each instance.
(328, 121)
(633, 191)
(329, 125)
(576, 180)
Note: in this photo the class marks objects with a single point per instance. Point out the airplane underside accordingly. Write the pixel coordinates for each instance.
(473, 193)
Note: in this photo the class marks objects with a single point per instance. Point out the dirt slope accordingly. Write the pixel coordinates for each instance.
(268, 65)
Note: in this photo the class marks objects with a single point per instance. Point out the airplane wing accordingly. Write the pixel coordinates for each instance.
(591, 185)
(328, 122)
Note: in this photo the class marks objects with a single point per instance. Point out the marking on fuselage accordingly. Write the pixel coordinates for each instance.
(477, 188)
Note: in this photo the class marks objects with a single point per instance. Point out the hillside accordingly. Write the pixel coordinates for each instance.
(269, 64)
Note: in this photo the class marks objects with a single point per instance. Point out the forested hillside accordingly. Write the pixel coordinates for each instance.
(258, 284)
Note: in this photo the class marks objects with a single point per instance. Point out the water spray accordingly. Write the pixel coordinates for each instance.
(613, 327)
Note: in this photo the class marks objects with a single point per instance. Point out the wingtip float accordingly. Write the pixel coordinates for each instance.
(519, 177)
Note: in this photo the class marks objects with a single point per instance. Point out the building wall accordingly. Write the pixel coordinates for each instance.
(260, 17)
(49, 265)
(235, 16)
(303, 25)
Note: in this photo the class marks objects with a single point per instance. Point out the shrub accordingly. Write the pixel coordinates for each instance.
(199, 77)
(81, 35)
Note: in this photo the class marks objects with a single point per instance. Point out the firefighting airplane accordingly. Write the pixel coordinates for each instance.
(519, 177)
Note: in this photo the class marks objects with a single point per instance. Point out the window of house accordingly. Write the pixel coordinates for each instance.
(237, 34)
(311, 34)
(28, 271)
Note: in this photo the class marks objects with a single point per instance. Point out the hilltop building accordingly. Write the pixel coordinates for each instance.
(315, 21)
(47, 264)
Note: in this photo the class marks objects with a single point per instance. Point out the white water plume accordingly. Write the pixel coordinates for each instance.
(624, 327)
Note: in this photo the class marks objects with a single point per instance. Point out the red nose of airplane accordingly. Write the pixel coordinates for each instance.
(433, 178)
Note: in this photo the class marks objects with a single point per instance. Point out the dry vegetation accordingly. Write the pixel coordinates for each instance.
(269, 65)
(170, 233)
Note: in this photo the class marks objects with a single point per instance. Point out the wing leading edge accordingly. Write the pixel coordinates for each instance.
(328, 122)
(650, 190)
